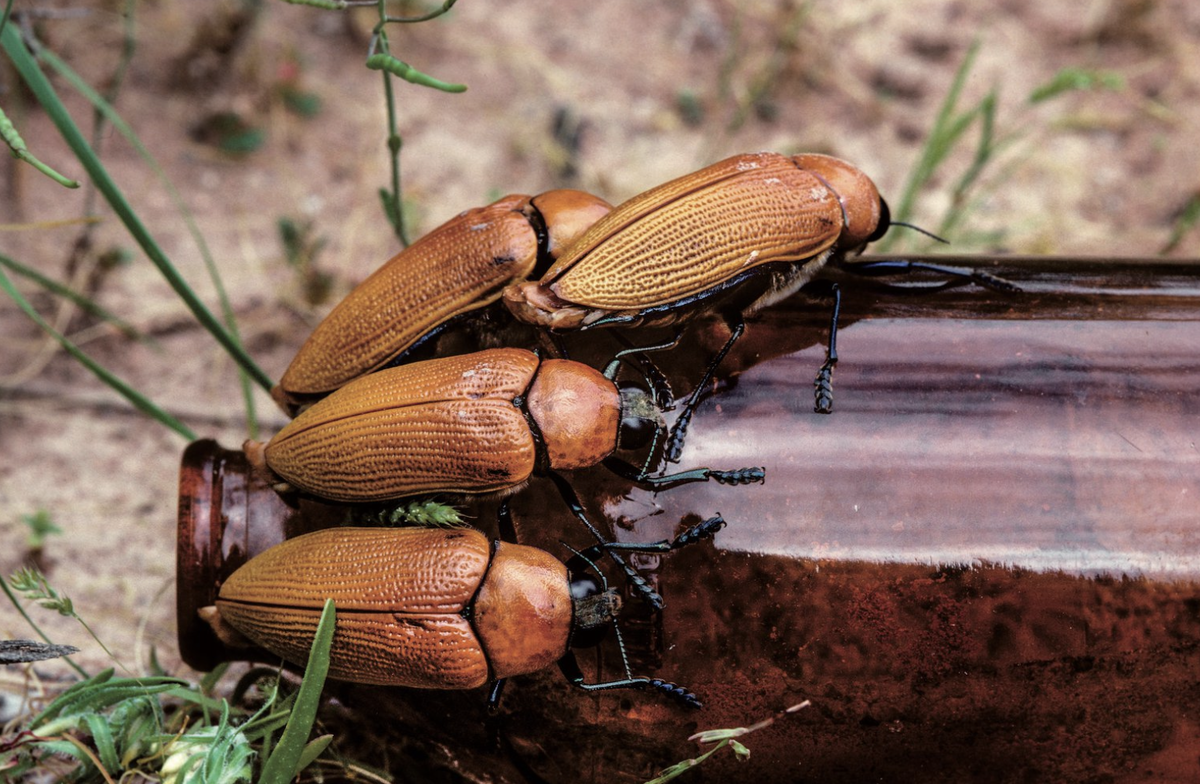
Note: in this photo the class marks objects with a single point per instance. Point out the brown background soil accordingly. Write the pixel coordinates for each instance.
(1095, 173)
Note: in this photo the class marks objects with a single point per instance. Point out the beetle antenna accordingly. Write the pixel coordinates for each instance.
(929, 234)
(645, 472)
(610, 370)
(588, 561)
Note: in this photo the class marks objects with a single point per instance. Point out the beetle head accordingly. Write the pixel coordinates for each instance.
(864, 212)
(594, 604)
(641, 419)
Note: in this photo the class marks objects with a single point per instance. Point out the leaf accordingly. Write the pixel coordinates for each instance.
(284, 763)
(1072, 79)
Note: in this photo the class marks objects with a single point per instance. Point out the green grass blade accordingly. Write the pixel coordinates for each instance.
(66, 292)
(946, 127)
(1072, 79)
(139, 401)
(285, 760)
(50, 102)
(312, 750)
(1189, 216)
(102, 738)
(4, 17)
(106, 109)
(67, 698)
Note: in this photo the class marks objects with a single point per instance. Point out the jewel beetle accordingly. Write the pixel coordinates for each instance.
(729, 239)
(457, 269)
(472, 424)
(431, 608)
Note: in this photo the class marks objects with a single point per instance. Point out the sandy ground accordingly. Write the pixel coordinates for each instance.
(1091, 173)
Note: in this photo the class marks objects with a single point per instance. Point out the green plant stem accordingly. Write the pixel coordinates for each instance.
(394, 141)
(140, 401)
(8, 132)
(54, 107)
(128, 44)
(54, 287)
(378, 54)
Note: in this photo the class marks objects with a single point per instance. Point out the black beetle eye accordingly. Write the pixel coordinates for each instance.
(885, 222)
(640, 418)
(636, 432)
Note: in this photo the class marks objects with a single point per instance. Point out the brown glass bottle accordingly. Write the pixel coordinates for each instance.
(984, 566)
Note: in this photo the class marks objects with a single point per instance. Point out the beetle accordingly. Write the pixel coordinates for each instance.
(431, 608)
(732, 238)
(474, 424)
(458, 268)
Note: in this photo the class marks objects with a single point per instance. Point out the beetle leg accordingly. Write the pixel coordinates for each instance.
(504, 522)
(703, 530)
(643, 589)
(656, 380)
(738, 476)
(823, 385)
(679, 430)
(570, 670)
(557, 342)
(957, 275)
(493, 700)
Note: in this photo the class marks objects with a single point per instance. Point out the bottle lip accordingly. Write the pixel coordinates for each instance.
(227, 514)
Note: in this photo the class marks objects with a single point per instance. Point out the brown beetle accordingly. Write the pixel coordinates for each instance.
(704, 237)
(458, 268)
(474, 424)
(432, 609)
(731, 238)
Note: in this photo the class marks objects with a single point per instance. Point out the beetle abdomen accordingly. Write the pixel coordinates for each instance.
(460, 266)
(399, 595)
(445, 425)
(689, 235)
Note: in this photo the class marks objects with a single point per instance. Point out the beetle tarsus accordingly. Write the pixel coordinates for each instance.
(823, 387)
(639, 583)
(739, 476)
(675, 441)
(704, 530)
(570, 670)
(676, 692)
